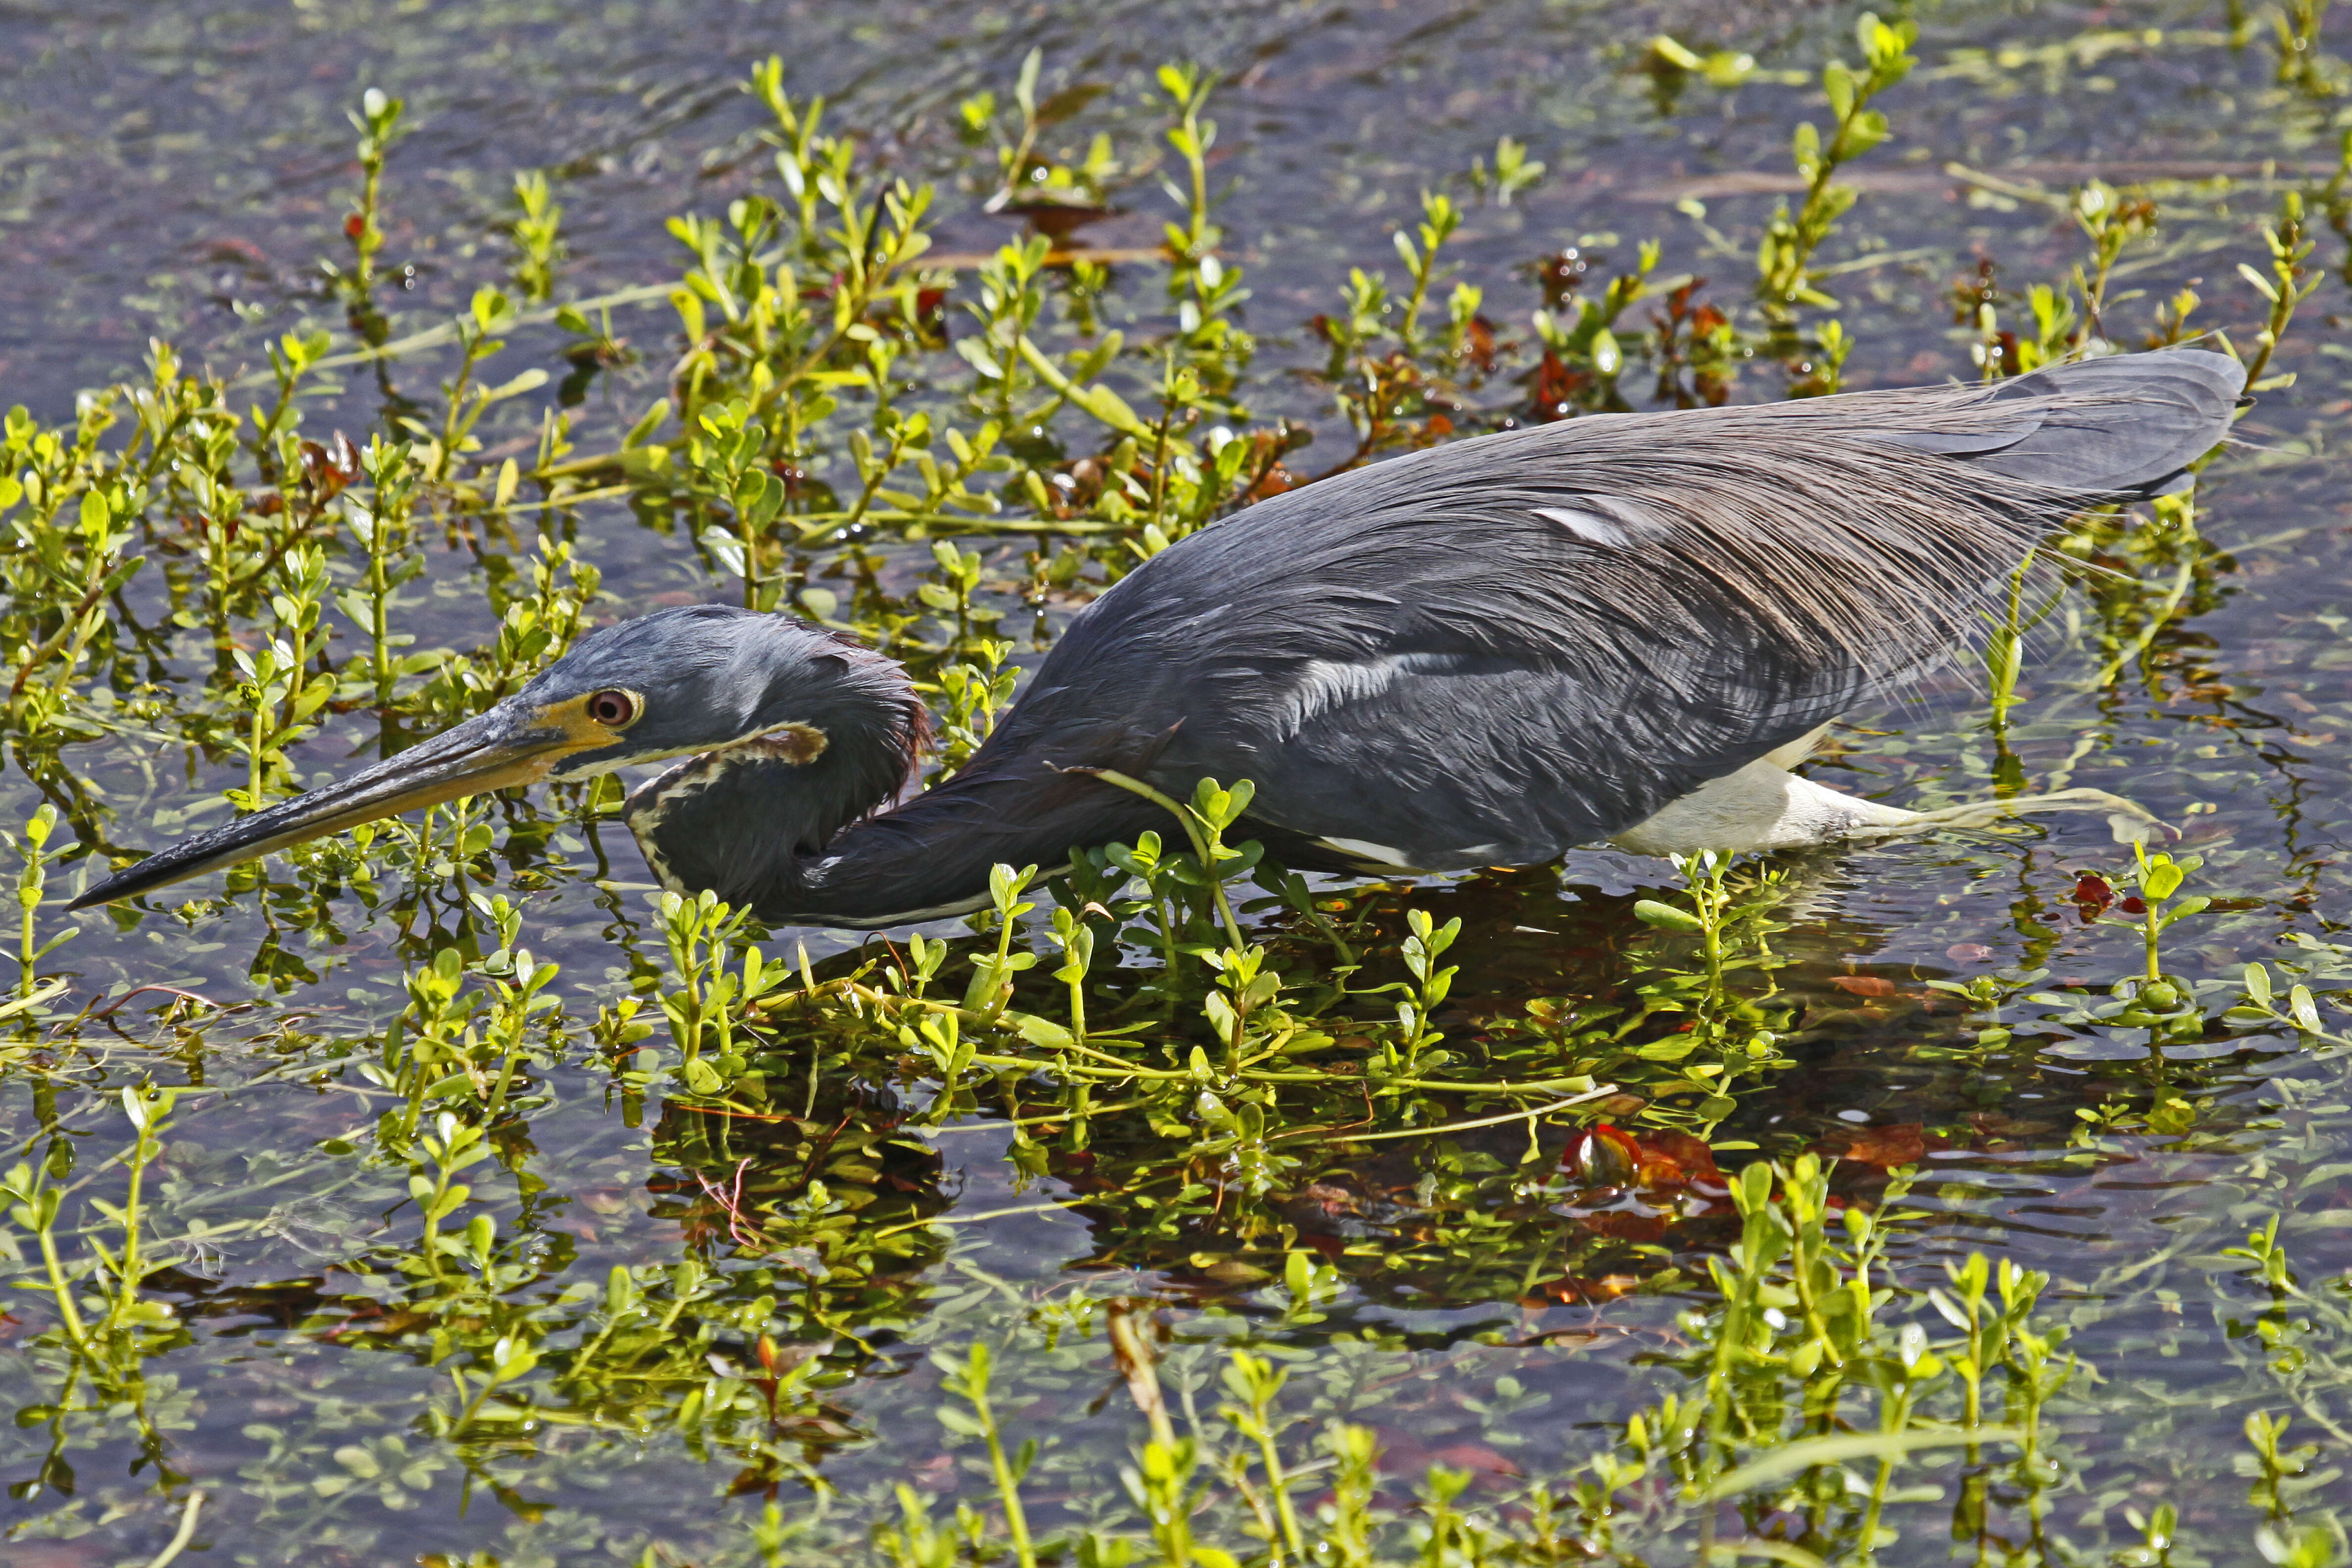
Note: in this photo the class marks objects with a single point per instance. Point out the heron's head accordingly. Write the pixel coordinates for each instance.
(825, 730)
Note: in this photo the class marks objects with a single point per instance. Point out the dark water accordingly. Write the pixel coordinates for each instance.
(176, 170)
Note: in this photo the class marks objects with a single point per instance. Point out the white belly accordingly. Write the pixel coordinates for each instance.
(1761, 807)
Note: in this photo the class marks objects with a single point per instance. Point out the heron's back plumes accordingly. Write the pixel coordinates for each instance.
(2121, 427)
(1508, 645)
(1851, 534)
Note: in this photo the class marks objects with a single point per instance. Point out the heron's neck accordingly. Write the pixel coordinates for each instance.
(746, 821)
(806, 835)
(931, 855)
(926, 857)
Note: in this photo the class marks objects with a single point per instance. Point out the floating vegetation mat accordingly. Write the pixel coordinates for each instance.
(446, 1193)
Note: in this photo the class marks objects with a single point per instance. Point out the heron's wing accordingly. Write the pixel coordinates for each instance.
(2104, 427)
(1508, 708)
(1445, 761)
(1493, 649)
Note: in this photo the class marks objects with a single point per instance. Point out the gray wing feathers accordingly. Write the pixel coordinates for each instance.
(1538, 638)
(2114, 426)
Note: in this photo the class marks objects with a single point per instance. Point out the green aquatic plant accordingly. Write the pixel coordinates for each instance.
(32, 847)
(378, 120)
(383, 529)
(712, 1001)
(93, 1362)
(283, 690)
(2285, 284)
(2161, 878)
(2301, 63)
(1784, 283)
(466, 399)
(538, 237)
(73, 569)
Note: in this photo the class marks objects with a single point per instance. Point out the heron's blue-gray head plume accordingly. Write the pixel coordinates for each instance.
(794, 734)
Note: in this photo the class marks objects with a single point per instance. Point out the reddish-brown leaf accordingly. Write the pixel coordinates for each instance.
(1622, 1225)
(1903, 1144)
(1676, 1159)
(1863, 985)
(1476, 1457)
(1611, 1156)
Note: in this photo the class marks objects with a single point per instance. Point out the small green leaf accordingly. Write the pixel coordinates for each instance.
(1674, 54)
(1649, 912)
(1039, 1031)
(1839, 1447)
(1608, 358)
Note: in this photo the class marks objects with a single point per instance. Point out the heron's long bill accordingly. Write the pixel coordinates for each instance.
(509, 745)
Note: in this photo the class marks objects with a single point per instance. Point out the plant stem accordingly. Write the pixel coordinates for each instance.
(1193, 831)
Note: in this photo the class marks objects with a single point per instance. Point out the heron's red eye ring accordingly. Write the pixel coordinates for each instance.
(613, 710)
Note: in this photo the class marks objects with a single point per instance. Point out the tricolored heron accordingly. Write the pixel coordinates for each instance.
(1625, 627)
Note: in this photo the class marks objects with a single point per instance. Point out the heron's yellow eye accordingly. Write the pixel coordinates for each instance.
(613, 710)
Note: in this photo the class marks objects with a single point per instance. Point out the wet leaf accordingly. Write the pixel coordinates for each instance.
(1605, 1155)
(1872, 985)
(1900, 1143)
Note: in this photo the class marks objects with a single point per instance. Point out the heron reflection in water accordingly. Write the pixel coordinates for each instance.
(1624, 629)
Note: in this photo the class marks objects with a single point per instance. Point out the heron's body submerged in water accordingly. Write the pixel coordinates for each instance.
(1626, 628)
